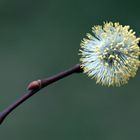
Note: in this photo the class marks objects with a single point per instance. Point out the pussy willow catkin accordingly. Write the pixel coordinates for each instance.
(111, 54)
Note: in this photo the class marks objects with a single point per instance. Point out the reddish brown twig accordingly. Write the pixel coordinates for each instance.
(35, 86)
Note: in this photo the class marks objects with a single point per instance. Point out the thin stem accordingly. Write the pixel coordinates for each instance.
(36, 86)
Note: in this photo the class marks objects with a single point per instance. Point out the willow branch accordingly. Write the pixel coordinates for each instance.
(36, 86)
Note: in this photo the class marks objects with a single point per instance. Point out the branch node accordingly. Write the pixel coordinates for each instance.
(35, 85)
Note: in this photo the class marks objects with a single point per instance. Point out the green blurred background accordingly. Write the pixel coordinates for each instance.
(41, 38)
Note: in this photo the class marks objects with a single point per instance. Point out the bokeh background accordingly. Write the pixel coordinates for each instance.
(39, 39)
